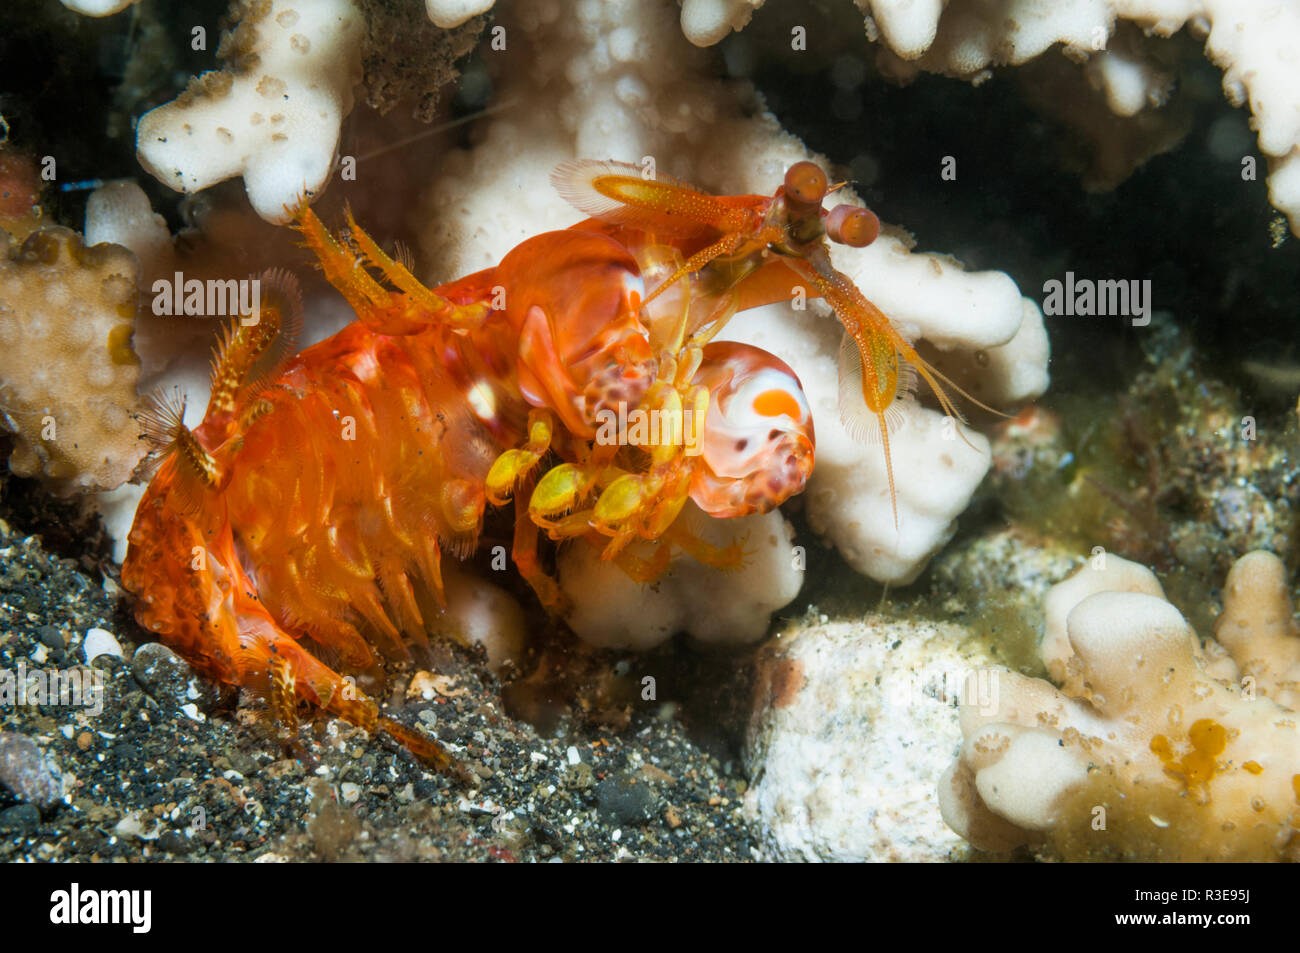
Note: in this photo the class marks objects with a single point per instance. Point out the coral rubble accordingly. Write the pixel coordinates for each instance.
(852, 724)
(1152, 748)
(1252, 41)
(67, 370)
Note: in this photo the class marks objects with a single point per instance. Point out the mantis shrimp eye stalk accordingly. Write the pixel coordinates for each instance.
(805, 186)
(851, 225)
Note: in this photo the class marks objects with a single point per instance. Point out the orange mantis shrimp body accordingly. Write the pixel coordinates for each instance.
(302, 524)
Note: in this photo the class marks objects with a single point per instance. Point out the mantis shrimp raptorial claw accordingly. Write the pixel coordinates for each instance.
(517, 463)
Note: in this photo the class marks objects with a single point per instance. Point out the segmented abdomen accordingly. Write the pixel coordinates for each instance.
(364, 458)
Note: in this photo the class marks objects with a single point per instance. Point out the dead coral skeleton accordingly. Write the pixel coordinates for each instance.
(1154, 747)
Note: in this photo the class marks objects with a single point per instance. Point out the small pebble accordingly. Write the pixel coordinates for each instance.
(20, 819)
(174, 842)
(422, 686)
(132, 826)
(25, 771)
(159, 671)
(85, 740)
(192, 712)
(52, 637)
(622, 799)
(656, 775)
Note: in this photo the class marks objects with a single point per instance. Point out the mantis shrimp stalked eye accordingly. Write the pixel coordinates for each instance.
(805, 186)
(853, 226)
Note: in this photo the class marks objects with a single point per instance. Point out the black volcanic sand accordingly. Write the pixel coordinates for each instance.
(144, 780)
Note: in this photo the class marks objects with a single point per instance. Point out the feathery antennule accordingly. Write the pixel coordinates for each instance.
(161, 419)
(403, 255)
(248, 352)
(162, 424)
(287, 296)
(280, 291)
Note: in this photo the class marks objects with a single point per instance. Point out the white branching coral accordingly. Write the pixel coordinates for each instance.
(449, 14)
(272, 115)
(67, 371)
(589, 84)
(119, 213)
(1149, 750)
(1252, 41)
(98, 8)
(705, 22)
(1257, 627)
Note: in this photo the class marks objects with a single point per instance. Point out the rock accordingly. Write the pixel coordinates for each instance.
(162, 673)
(28, 772)
(172, 683)
(132, 825)
(52, 637)
(100, 642)
(126, 753)
(853, 724)
(174, 842)
(21, 819)
(624, 800)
